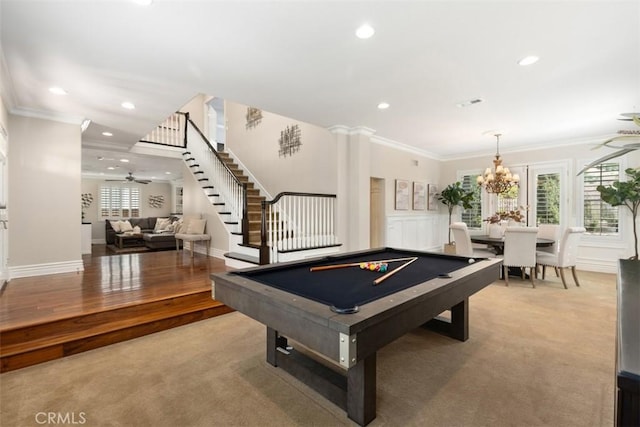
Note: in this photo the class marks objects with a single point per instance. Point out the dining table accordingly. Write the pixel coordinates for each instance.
(497, 243)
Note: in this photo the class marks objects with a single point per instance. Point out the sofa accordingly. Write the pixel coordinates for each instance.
(155, 235)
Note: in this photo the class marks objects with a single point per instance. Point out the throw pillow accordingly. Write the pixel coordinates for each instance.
(196, 226)
(180, 226)
(115, 225)
(161, 224)
(137, 230)
(125, 226)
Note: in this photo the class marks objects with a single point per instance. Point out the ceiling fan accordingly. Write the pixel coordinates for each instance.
(131, 178)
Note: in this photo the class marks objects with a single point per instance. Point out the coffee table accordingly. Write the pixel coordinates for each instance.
(129, 240)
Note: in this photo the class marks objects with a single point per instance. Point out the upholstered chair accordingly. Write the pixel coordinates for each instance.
(566, 255)
(464, 247)
(551, 232)
(520, 251)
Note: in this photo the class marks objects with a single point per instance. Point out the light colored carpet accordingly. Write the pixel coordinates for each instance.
(535, 357)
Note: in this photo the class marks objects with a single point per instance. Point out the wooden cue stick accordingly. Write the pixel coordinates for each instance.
(391, 273)
(353, 264)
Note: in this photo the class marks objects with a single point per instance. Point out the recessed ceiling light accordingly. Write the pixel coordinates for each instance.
(365, 31)
(57, 90)
(100, 158)
(111, 168)
(528, 60)
(107, 133)
(383, 105)
(128, 105)
(167, 173)
(124, 160)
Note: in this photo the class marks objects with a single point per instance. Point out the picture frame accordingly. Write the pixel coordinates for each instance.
(419, 196)
(432, 200)
(402, 195)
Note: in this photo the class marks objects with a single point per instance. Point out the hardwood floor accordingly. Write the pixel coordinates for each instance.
(116, 297)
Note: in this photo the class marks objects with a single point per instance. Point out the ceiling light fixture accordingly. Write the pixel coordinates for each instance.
(124, 160)
(365, 31)
(107, 133)
(128, 105)
(528, 60)
(500, 179)
(383, 105)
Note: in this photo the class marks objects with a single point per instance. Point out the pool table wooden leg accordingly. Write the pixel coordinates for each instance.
(457, 327)
(361, 391)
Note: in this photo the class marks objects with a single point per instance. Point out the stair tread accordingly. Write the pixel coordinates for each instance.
(243, 257)
(108, 326)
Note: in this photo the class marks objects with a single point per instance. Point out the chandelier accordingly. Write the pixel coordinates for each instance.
(500, 180)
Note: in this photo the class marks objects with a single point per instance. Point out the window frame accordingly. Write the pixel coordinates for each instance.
(622, 215)
(483, 200)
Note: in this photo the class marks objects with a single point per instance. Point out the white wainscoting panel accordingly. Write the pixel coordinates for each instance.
(418, 232)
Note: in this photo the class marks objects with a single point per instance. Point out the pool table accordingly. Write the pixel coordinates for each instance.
(340, 318)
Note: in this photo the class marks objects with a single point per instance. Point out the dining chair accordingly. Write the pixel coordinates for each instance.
(520, 251)
(566, 255)
(464, 246)
(551, 232)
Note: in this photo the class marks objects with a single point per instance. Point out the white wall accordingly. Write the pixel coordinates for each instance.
(312, 169)
(44, 177)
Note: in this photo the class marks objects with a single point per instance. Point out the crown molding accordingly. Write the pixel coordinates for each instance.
(404, 147)
(47, 115)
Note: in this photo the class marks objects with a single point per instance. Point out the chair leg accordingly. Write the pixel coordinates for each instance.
(531, 271)
(564, 283)
(575, 276)
(544, 269)
(505, 272)
(556, 269)
(177, 245)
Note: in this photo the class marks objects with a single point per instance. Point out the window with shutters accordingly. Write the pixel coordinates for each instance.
(119, 202)
(600, 218)
(472, 217)
(548, 198)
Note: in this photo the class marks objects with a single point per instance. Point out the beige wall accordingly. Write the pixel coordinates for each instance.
(44, 177)
(312, 169)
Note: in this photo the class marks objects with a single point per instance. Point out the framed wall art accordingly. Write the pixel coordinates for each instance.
(419, 196)
(402, 195)
(432, 200)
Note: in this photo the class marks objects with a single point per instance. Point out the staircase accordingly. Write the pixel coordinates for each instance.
(234, 224)
(297, 224)
(30, 344)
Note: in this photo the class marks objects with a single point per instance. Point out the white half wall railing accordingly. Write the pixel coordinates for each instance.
(297, 221)
(171, 132)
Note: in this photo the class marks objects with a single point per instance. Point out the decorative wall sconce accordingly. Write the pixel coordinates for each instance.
(254, 117)
(156, 201)
(289, 141)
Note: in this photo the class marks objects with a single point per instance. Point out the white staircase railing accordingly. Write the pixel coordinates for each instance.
(215, 172)
(171, 132)
(297, 221)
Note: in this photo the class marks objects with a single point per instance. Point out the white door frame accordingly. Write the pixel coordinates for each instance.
(4, 211)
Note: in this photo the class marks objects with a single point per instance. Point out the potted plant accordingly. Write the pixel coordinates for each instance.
(625, 193)
(454, 195)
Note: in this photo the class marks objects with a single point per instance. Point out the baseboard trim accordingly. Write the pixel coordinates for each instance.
(47, 268)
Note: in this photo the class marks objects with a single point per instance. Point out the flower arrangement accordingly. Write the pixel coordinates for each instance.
(515, 215)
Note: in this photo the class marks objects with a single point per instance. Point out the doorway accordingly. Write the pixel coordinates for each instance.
(4, 213)
(376, 213)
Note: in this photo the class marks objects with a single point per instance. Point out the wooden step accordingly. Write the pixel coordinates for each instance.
(243, 257)
(26, 345)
